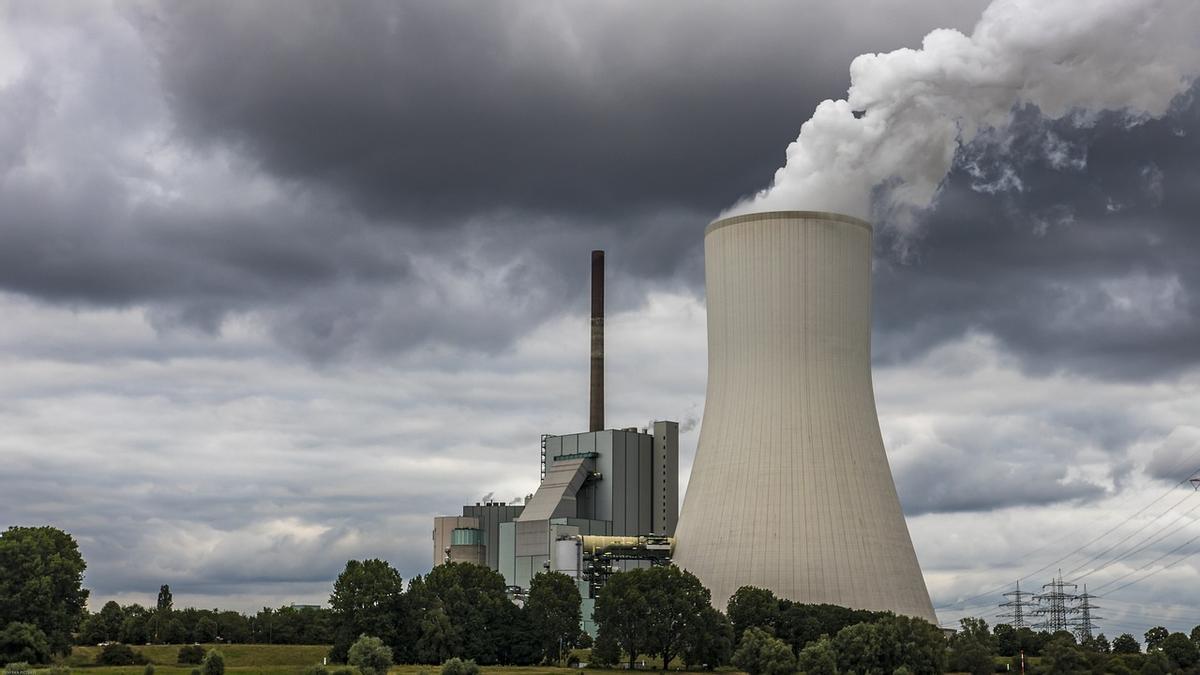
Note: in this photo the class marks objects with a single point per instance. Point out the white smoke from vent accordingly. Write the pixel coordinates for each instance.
(895, 135)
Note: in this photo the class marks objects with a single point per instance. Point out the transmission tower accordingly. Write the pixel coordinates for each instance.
(1055, 604)
(1085, 627)
(1018, 608)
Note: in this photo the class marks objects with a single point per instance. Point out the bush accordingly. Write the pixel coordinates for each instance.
(23, 643)
(119, 654)
(17, 668)
(370, 655)
(59, 669)
(457, 666)
(190, 655)
(344, 671)
(214, 663)
(316, 670)
(148, 670)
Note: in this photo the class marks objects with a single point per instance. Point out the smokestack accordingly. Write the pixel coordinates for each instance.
(596, 404)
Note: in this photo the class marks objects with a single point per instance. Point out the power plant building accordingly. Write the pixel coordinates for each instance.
(618, 488)
(791, 489)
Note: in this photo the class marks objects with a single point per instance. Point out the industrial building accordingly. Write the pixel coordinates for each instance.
(608, 499)
(791, 489)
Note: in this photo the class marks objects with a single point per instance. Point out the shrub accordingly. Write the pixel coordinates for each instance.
(316, 670)
(119, 654)
(190, 655)
(17, 668)
(344, 671)
(23, 643)
(59, 669)
(214, 663)
(457, 666)
(370, 655)
(148, 670)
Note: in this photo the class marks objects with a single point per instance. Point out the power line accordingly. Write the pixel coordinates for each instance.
(963, 605)
(1018, 608)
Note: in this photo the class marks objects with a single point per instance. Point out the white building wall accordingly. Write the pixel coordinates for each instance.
(791, 489)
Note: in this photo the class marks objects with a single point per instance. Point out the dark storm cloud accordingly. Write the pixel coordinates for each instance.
(1074, 244)
(433, 110)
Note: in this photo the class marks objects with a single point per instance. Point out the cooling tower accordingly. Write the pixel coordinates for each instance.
(791, 488)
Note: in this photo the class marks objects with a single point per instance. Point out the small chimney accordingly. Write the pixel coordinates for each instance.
(596, 407)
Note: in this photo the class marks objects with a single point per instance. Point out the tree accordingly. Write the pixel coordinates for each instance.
(606, 652)
(41, 582)
(1196, 636)
(214, 663)
(761, 653)
(1155, 663)
(1126, 644)
(162, 611)
(111, 618)
(438, 637)
(1179, 648)
(1006, 639)
(366, 600)
(1155, 636)
(370, 655)
(553, 607)
(818, 658)
(709, 642)
(23, 642)
(620, 613)
(1098, 644)
(973, 648)
(752, 607)
(476, 604)
(676, 600)
(1062, 657)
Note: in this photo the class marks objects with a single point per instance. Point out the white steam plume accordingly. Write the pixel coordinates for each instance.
(907, 111)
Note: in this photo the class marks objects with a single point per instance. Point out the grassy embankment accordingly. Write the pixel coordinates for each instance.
(261, 660)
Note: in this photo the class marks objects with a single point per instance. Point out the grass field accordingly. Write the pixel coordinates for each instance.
(236, 656)
(263, 660)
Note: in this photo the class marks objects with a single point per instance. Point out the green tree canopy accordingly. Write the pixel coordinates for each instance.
(41, 582)
(973, 648)
(620, 614)
(23, 642)
(709, 641)
(1126, 644)
(1155, 636)
(1180, 649)
(752, 607)
(818, 658)
(884, 645)
(761, 653)
(367, 599)
(553, 607)
(676, 600)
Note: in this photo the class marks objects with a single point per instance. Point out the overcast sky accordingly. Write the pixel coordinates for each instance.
(281, 281)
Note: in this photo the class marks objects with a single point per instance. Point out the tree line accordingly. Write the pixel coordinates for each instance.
(463, 611)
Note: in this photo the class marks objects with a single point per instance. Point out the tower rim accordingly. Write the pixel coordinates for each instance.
(770, 215)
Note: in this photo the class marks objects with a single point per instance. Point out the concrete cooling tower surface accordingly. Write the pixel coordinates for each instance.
(791, 489)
